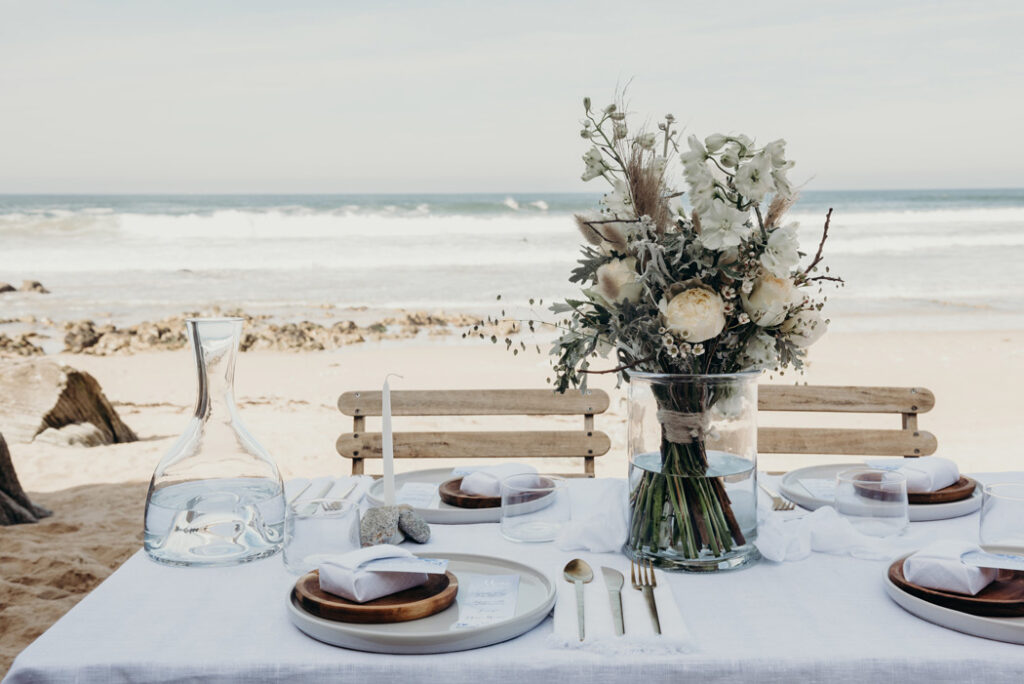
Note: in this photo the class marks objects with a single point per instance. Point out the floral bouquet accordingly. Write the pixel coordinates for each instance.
(712, 288)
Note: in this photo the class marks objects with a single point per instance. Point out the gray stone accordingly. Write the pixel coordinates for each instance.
(380, 526)
(33, 286)
(412, 525)
(75, 434)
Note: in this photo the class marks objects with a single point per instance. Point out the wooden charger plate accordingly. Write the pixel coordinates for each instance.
(1002, 598)
(451, 493)
(958, 491)
(435, 595)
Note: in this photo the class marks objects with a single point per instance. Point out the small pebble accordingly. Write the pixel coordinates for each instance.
(413, 525)
(380, 526)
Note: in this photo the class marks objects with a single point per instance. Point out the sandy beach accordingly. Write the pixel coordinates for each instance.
(288, 400)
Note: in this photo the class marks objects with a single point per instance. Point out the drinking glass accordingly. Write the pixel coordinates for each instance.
(1002, 518)
(875, 501)
(534, 508)
(316, 529)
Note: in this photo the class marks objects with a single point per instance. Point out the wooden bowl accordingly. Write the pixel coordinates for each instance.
(958, 491)
(429, 598)
(452, 494)
(1002, 598)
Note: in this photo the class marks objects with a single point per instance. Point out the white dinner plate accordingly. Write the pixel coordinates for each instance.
(445, 514)
(1000, 629)
(434, 634)
(791, 488)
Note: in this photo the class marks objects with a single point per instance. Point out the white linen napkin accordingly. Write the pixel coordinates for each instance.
(486, 480)
(600, 518)
(341, 575)
(599, 635)
(938, 566)
(782, 538)
(924, 474)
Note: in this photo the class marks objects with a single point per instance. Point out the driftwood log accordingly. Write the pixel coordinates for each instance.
(14, 504)
(40, 394)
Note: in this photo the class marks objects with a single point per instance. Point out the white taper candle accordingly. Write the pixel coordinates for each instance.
(387, 445)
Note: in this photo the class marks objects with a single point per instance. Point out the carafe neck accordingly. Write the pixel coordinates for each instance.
(215, 344)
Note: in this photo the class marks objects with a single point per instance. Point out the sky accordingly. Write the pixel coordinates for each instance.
(353, 97)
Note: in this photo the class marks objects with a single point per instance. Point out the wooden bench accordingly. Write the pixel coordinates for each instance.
(907, 402)
(586, 443)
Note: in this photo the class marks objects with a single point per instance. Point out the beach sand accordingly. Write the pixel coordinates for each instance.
(288, 401)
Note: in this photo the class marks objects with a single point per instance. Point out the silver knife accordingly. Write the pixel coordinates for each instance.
(613, 580)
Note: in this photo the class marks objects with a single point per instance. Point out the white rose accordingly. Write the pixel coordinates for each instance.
(804, 328)
(754, 179)
(782, 252)
(723, 226)
(695, 315)
(595, 165)
(769, 301)
(760, 352)
(616, 281)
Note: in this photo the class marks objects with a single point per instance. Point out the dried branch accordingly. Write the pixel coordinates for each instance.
(821, 245)
(619, 369)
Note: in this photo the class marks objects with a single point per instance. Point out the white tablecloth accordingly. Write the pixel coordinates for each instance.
(826, 618)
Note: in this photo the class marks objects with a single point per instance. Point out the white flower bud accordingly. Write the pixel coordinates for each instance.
(715, 142)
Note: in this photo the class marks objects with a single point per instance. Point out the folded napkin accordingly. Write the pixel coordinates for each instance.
(938, 566)
(600, 517)
(600, 636)
(785, 538)
(486, 480)
(341, 575)
(924, 474)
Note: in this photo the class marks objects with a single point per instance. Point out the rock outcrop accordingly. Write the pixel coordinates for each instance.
(40, 394)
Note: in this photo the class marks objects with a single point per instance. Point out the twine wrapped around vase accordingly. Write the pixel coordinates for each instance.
(683, 428)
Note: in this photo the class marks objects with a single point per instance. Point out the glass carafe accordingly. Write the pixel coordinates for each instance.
(216, 497)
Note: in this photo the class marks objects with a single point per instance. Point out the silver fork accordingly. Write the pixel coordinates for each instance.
(647, 583)
(778, 503)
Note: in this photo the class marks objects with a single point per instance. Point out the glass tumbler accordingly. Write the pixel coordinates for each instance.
(1002, 518)
(534, 508)
(316, 529)
(875, 501)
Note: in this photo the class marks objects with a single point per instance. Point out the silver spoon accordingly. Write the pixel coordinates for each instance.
(579, 573)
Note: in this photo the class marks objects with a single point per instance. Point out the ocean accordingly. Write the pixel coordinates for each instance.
(912, 259)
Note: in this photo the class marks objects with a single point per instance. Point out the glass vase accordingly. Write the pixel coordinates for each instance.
(216, 497)
(693, 470)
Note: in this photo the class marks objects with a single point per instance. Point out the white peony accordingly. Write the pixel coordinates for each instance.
(616, 281)
(754, 179)
(723, 226)
(782, 252)
(696, 314)
(760, 352)
(770, 300)
(805, 327)
(595, 164)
